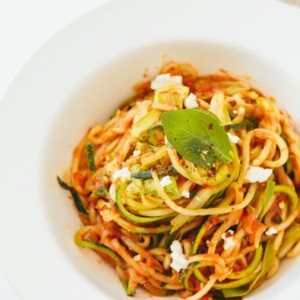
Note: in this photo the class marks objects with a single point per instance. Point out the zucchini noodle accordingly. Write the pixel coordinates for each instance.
(166, 222)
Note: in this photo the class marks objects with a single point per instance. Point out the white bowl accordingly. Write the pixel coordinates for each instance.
(78, 79)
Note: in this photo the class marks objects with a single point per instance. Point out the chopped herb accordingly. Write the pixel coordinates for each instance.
(142, 175)
(147, 174)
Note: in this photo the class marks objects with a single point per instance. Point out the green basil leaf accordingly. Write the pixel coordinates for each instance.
(198, 136)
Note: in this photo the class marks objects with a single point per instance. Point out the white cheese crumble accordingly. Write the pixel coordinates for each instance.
(124, 174)
(164, 80)
(137, 257)
(241, 110)
(271, 231)
(112, 192)
(233, 138)
(258, 174)
(191, 101)
(179, 260)
(166, 180)
(185, 194)
(228, 239)
(136, 153)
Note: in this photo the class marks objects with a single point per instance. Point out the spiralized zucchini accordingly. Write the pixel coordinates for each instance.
(173, 211)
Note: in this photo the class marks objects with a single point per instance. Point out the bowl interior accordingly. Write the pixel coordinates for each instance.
(95, 100)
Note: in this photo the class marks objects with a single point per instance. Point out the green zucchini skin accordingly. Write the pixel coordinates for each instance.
(79, 205)
(170, 170)
(103, 249)
(156, 136)
(121, 191)
(90, 156)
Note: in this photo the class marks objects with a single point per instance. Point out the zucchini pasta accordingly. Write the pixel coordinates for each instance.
(191, 187)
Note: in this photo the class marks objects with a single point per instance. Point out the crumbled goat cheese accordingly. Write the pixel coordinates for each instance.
(179, 260)
(228, 240)
(191, 101)
(258, 174)
(233, 138)
(124, 174)
(164, 80)
(237, 96)
(166, 180)
(112, 192)
(271, 231)
(136, 153)
(241, 110)
(185, 194)
(137, 257)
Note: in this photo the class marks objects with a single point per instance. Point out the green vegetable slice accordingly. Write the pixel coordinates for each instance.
(106, 213)
(172, 95)
(251, 267)
(268, 193)
(121, 192)
(220, 286)
(79, 241)
(198, 136)
(103, 249)
(171, 189)
(291, 193)
(127, 283)
(90, 155)
(80, 207)
(142, 175)
(156, 136)
(199, 235)
(145, 123)
(290, 238)
(249, 124)
(217, 107)
(289, 166)
(267, 263)
(147, 174)
(186, 277)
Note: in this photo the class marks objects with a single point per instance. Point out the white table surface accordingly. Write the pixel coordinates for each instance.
(24, 26)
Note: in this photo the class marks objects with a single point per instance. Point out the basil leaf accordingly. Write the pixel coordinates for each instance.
(198, 136)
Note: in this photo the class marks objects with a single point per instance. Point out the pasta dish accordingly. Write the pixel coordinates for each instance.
(191, 187)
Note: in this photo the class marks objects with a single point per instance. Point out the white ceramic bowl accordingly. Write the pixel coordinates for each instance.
(78, 79)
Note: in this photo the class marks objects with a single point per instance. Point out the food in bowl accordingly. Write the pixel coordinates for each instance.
(191, 187)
